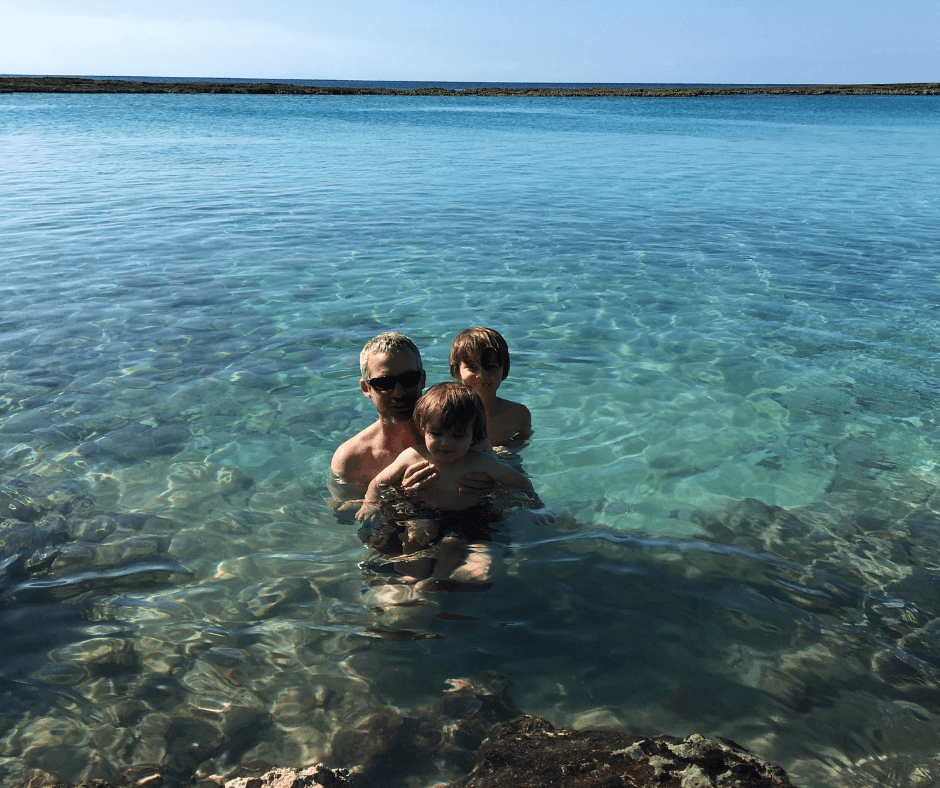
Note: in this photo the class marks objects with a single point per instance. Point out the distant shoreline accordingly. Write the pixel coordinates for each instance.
(86, 85)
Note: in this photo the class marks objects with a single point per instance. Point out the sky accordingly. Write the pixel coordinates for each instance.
(619, 41)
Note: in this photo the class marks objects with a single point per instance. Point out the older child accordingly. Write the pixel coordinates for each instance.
(479, 357)
(451, 418)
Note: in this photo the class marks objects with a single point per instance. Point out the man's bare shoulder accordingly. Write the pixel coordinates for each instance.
(353, 455)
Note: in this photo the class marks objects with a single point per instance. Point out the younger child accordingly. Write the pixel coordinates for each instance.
(451, 418)
(479, 357)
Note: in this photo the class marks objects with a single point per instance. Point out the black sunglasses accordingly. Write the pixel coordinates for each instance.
(408, 380)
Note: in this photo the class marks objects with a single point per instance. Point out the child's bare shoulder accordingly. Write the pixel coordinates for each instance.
(514, 410)
(478, 460)
(401, 462)
(515, 418)
(412, 454)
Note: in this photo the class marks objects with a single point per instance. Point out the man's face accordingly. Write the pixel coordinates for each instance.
(392, 399)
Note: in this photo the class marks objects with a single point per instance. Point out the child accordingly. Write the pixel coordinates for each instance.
(479, 357)
(451, 418)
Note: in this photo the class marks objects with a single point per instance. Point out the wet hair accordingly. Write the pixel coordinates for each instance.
(387, 343)
(451, 406)
(479, 346)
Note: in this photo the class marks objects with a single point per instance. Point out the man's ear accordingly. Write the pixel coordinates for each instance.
(366, 391)
(424, 378)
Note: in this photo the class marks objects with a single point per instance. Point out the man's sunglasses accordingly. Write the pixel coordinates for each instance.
(408, 380)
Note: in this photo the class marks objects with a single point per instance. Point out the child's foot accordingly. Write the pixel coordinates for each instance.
(477, 565)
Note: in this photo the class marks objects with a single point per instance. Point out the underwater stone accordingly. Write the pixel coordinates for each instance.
(101, 656)
(14, 505)
(135, 441)
(269, 599)
(95, 528)
(393, 749)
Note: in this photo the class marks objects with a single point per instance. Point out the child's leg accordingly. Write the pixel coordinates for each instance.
(462, 561)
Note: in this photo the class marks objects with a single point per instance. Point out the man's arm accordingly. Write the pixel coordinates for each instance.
(343, 494)
(344, 467)
(392, 475)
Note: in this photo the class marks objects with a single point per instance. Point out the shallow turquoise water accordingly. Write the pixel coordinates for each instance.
(706, 301)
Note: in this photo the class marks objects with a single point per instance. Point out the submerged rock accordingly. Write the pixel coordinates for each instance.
(312, 777)
(394, 750)
(528, 752)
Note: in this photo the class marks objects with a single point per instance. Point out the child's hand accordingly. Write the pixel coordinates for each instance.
(420, 476)
(542, 515)
(368, 513)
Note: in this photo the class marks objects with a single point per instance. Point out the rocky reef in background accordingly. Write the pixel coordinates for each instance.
(85, 85)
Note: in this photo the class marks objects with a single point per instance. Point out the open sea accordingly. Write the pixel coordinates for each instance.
(723, 313)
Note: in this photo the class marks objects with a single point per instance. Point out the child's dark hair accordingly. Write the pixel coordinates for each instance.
(479, 346)
(451, 406)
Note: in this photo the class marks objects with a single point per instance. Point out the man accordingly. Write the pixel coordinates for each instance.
(393, 378)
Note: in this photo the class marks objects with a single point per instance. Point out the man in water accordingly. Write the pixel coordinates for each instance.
(393, 378)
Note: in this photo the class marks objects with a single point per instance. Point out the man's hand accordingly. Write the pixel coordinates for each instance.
(476, 481)
(542, 515)
(420, 476)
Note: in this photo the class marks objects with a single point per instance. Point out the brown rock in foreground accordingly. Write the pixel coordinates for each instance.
(528, 752)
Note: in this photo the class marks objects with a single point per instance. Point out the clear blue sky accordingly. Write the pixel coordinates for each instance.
(756, 41)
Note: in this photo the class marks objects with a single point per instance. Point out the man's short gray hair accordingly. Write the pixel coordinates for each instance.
(389, 342)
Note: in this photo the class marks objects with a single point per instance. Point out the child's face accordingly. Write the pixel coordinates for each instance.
(447, 446)
(483, 379)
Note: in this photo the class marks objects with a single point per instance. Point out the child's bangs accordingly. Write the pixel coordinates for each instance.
(481, 346)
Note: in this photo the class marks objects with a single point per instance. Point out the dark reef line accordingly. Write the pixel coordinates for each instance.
(84, 85)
